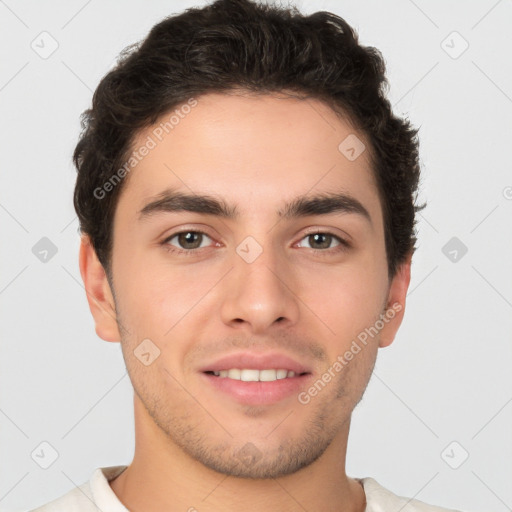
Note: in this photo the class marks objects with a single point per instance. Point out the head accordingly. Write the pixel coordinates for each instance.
(244, 187)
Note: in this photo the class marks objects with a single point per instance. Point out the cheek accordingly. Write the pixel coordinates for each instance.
(346, 299)
(163, 301)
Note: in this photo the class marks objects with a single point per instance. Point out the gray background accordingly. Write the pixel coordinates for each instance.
(445, 379)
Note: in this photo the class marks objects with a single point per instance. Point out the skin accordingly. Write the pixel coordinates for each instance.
(256, 152)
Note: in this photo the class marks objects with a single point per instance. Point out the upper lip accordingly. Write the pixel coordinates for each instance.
(253, 361)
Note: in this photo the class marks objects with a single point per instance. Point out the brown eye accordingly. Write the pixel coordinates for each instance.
(187, 240)
(190, 240)
(320, 240)
(324, 241)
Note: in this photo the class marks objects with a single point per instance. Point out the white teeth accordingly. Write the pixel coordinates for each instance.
(252, 375)
(281, 374)
(234, 373)
(268, 375)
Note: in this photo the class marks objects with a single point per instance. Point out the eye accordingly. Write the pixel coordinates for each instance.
(187, 241)
(323, 240)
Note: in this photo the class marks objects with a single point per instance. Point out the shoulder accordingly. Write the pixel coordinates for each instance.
(90, 496)
(78, 499)
(380, 499)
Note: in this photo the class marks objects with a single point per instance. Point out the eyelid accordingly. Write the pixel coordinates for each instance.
(188, 229)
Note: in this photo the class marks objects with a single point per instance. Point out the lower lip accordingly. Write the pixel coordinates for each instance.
(259, 393)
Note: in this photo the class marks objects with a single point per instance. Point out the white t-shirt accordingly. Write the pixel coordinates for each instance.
(97, 495)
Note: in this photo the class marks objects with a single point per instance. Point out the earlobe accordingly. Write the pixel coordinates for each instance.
(99, 294)
(396, 303)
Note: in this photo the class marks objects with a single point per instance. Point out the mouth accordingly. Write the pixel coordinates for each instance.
(254, 375)
(257, 379)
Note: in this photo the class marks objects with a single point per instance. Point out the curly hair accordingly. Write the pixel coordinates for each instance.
(241, 44)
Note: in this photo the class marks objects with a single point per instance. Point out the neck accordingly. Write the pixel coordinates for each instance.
(163, 477)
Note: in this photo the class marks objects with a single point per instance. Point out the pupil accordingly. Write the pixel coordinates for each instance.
(188, 238)
(316, 237)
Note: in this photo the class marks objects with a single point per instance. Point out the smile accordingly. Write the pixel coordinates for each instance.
(253, 375)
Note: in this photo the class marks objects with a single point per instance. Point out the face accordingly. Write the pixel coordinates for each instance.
(250, 282)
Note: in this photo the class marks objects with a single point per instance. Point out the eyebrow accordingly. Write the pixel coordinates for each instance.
(322, 204)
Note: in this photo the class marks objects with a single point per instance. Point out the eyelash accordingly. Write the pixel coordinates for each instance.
(343, 244)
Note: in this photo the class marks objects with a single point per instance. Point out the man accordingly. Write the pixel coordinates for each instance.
(246, 202)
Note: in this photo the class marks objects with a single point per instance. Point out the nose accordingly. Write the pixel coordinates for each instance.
(260, 293)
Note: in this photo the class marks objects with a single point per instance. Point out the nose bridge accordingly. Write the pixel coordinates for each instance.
(259, 291)
(258, 263)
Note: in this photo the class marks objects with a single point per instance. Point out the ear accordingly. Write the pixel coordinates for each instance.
(395, 308)
(99, 294)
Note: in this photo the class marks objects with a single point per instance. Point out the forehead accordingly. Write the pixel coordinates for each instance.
(259, 148)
